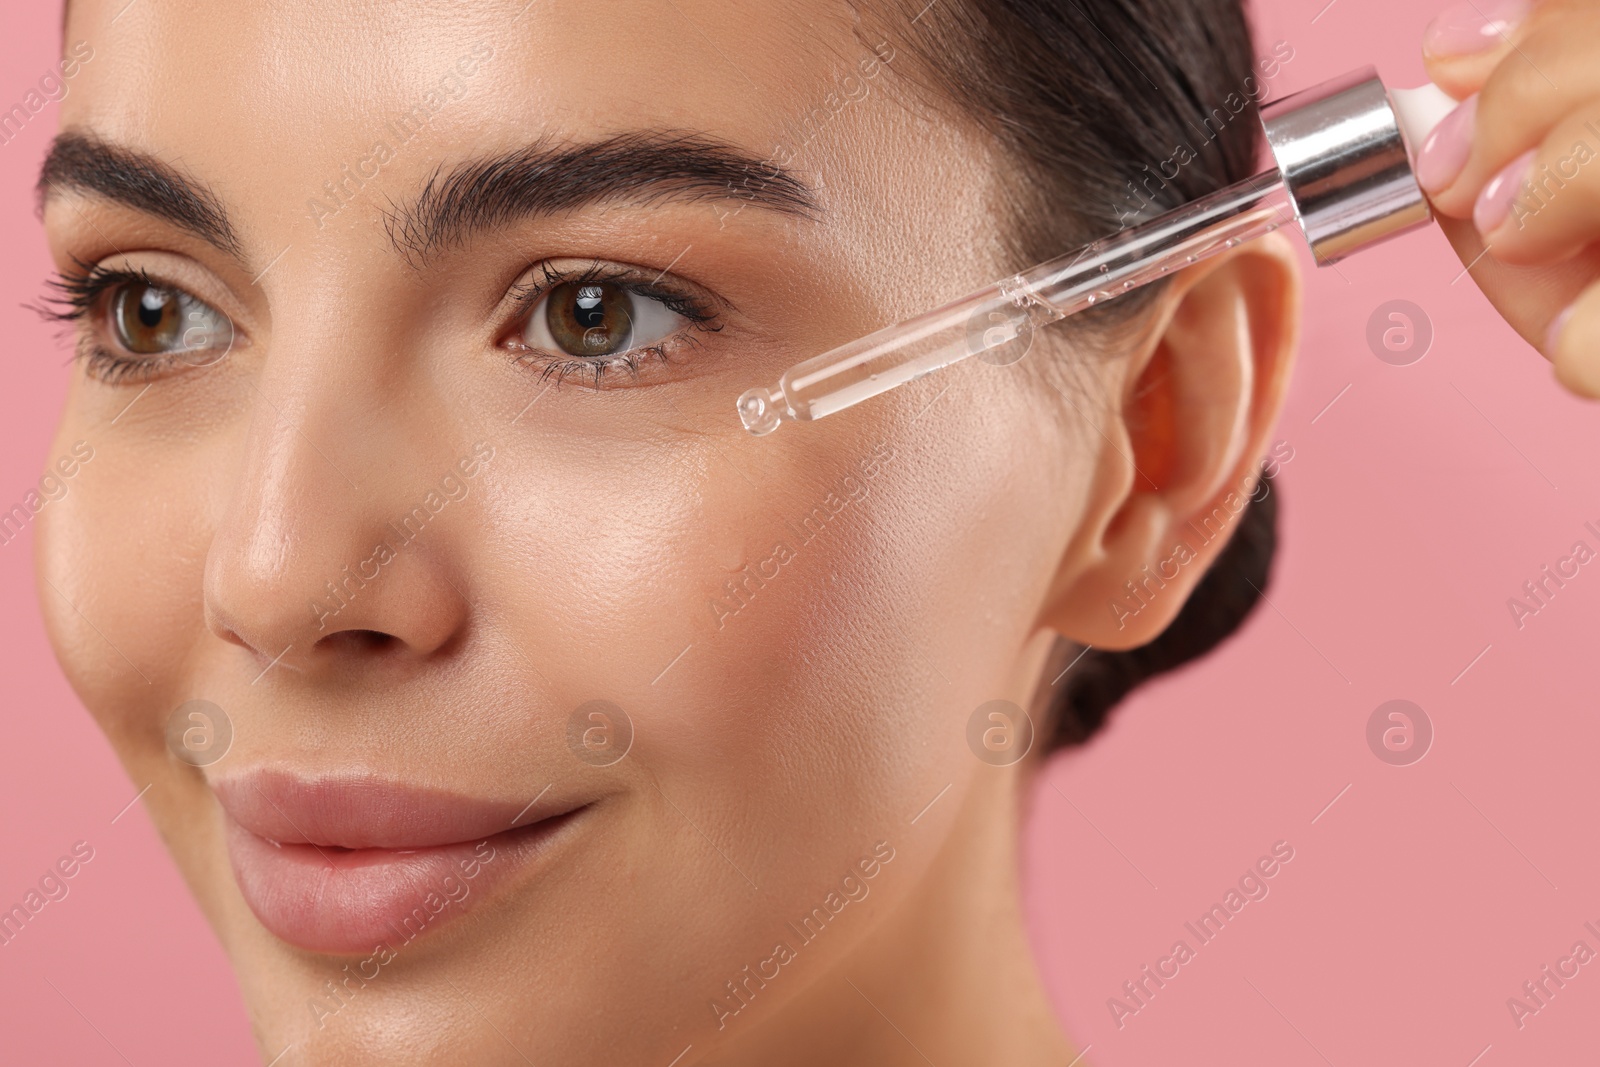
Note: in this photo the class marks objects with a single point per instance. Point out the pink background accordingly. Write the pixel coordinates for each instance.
(1414, 906)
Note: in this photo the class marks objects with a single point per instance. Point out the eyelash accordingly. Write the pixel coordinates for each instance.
(75, 298)
(699, 313)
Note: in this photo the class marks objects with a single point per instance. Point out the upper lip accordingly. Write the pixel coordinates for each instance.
(366, 811)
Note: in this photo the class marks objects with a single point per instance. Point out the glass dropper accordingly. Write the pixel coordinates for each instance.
(1342, 172)
(999, 313)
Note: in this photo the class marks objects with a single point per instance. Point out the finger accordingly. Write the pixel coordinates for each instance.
(1464, 43)
(1545, 204)
(1549, 72)
(1529, 298)
(1573, 344)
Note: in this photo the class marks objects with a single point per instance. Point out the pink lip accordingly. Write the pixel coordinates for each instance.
(342, 865)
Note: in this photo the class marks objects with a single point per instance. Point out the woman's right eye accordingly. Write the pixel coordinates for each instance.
(157, 321)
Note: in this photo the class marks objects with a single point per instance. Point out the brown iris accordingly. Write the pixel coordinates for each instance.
(146, 318)
(590, 318)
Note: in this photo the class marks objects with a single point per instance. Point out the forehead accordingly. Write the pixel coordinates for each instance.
(314, 67)
(249, 91)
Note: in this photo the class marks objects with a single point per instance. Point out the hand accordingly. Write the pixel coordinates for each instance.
(1515, 169)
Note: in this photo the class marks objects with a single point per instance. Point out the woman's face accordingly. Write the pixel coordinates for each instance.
(392, 531)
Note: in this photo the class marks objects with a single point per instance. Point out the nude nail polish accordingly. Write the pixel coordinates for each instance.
(1472, 27)
(1494, 203)
(1445, 151)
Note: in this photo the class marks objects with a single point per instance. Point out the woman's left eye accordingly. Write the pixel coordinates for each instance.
(591, 320)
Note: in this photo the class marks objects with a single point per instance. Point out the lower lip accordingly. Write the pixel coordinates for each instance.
(345, 901)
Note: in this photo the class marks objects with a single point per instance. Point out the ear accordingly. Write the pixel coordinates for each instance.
(1198, 400)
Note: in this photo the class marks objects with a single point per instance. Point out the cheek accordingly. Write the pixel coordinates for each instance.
(784, 648)
(120, 559)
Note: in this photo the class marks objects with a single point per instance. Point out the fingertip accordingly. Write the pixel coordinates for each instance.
(1581, 378)
(1463, 44)
(1552, 336)
(1576, 365)
(1473, 28)
(1461, 76)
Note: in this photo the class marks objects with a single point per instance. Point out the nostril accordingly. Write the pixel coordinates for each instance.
(230, 635)
(358, 641)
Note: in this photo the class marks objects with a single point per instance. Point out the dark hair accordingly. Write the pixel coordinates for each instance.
(1097, 102)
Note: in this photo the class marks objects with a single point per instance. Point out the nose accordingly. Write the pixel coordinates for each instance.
(335, 549)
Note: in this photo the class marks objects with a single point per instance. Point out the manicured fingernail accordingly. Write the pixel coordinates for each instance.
(1472, 27)
(1494, 203)
(1553, 334)
(1445, 151)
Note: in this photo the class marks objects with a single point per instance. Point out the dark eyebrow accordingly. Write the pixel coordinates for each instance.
(542, 179)
(82, 162)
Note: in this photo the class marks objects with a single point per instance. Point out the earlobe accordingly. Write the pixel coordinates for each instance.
(1199, 402)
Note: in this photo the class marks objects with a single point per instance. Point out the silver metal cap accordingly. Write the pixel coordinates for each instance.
(1345, 163)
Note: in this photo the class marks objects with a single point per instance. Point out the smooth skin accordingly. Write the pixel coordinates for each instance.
(772, 748)
(1538, 91)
